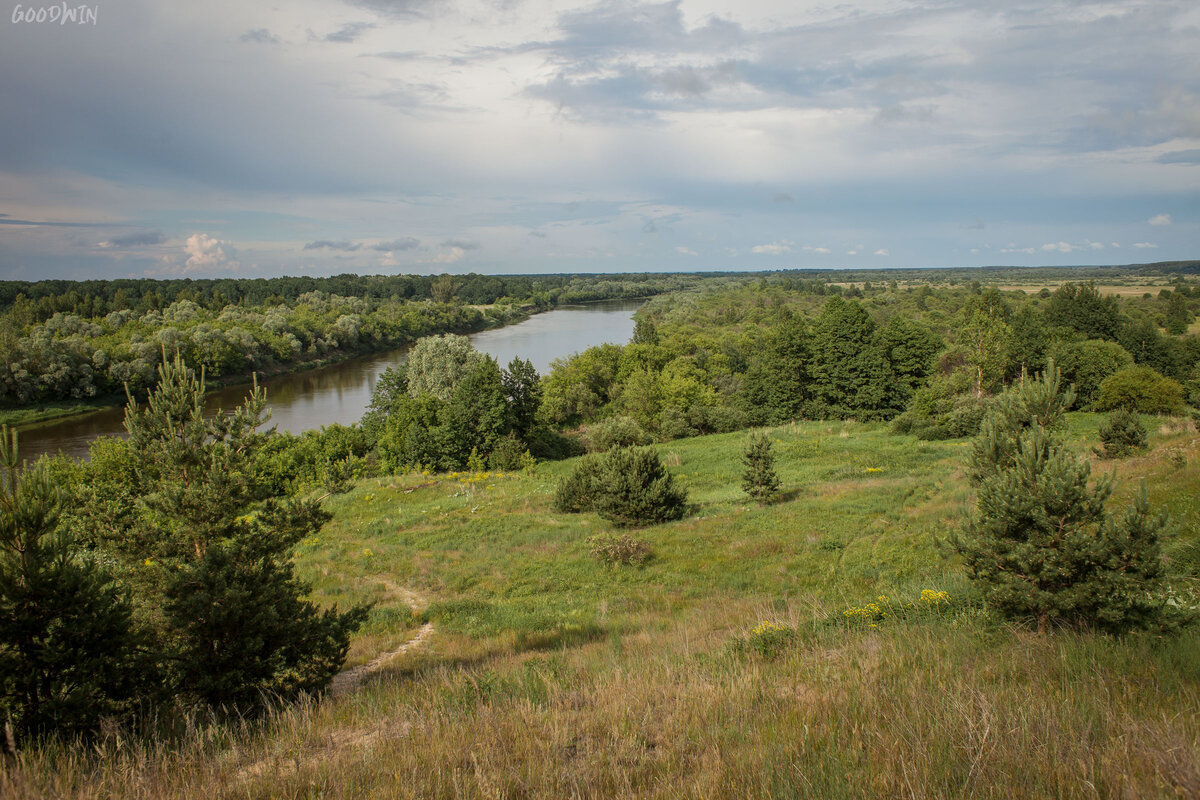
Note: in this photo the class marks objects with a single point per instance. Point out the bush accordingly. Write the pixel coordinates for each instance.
(617, 550)
(620, 431)
(717, 419)
(767, 640)
(576, 493)
(945, 408)
(1140, 389)
(1121, 434)
(634, 488)
(674, 424)
(508, 453)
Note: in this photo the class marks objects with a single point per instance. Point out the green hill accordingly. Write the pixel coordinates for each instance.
(764, 651)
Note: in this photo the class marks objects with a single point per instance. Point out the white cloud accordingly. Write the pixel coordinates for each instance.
(808, 248)
(882, 252)
(851, 252)
(687, 251)
(206, 253)
(1160, 220)
(1061, 247)
(1144, 245)
(772, 249)
(1012, 248)
(455, 253)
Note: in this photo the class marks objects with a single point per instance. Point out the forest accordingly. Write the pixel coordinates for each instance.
(212, 574)
(66, 341)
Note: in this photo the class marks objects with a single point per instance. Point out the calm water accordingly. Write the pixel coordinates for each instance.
(340, 392)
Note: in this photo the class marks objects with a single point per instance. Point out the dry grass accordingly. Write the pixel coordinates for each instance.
(948, 710)
(551, 676)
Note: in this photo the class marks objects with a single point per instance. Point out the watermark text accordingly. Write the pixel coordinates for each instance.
(61, 14)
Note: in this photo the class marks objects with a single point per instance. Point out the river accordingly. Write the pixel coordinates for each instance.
(340, 392)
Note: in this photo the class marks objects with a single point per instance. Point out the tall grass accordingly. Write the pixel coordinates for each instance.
(550, 675)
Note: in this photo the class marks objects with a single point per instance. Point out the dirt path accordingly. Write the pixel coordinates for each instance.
(350, 679)
(344, 683)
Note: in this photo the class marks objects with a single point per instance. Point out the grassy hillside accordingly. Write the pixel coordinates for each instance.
(539, 672)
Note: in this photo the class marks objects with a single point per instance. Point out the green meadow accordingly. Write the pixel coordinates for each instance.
(772, 651)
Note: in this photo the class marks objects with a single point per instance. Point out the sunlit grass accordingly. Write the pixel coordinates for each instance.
(551, 674)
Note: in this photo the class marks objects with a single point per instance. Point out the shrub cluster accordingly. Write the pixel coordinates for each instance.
(1042, 543)
(627, 486)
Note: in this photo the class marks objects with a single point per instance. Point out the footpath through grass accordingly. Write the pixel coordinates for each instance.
(551, 675)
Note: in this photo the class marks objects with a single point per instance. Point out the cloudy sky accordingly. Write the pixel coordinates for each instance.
(380, 136)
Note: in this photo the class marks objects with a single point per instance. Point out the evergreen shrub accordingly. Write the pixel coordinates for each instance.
(759, 479)
(1122, 433)
(634, 488)
(576, 493)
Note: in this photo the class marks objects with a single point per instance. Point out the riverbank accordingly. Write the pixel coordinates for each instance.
(337, 388)
(29, 416)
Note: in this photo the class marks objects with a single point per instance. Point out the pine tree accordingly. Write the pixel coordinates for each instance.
(1040, 542)
(213, 546)
(1122, 433)
(634, 488)
(759, 480)
(67, 648)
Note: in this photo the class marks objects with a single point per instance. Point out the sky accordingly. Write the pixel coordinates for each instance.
(147, 138)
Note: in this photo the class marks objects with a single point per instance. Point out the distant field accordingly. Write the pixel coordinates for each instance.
(1135, 290)
(1153, 286)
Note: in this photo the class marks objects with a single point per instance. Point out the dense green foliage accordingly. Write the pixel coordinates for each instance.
(634, 488)
(576, 493)
(628, 486)
(72, 356)
(61, 339)
(41, 300)
(740, 352)
(1041, 544)
(198, 535)
(1121, 434)
(69, 656)
(450, 401)
(1140, 389)
(1085, 364)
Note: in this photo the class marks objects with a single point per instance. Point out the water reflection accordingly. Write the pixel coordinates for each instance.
(341, 392)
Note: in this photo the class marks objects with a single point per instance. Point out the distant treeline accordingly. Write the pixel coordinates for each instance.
(64, 340)
(40, 300)
(37, 301)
